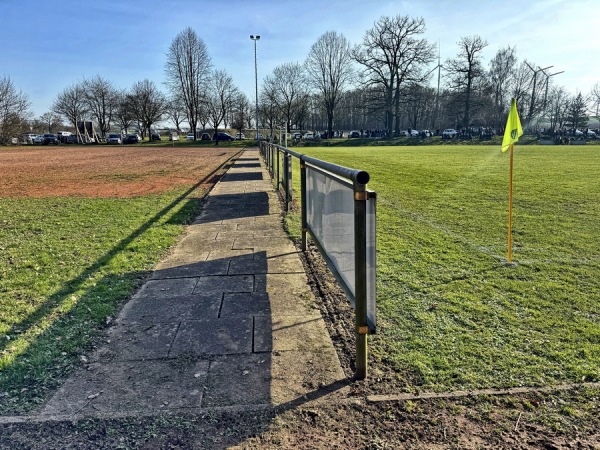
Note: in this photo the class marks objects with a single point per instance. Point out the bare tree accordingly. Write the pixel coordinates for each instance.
(51, 121)
(270, 114)
(188, 70)
(557, 106)
(14, 107)
(175, 110)
(502, 70)
(595, 99)
(101, 98)
(124, 113)
(287, 90)
(148, 104)
(71, 104)
(393, 55)
(241, 112)
(465, 71)
(222, 93)
(329, 68)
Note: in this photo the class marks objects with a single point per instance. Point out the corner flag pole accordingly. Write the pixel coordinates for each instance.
(510, 202)
(512, 133)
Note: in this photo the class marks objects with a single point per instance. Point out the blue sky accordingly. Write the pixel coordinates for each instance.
(47, 45)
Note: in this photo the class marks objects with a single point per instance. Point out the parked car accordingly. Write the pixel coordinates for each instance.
(190, 137)
(413, 133)
(591, 134)
(50, 139)
(113, 138)
(240, 136)
(155, 137)
(222, 136)
(449, 133)
(310, 136)
(131, 139)
(296, 135)
(38, 139)
(403, 133)
(426, 133)
(72, 139)
(205, 137)
(174, 136)
(28, 138)
(354, 134)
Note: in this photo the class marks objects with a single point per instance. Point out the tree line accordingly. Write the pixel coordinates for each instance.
(390, 81)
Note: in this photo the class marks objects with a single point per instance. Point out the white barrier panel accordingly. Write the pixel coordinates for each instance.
(330, 218)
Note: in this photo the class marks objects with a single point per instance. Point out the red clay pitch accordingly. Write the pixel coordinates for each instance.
(102, 171)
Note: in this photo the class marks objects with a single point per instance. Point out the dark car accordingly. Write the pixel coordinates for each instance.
(51, 139)
(155, 137)
(131, 139)
(205, 137)
(222, 136)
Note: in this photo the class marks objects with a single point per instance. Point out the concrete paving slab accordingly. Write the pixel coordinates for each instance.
(173, 309)
(245, 305)
(274, 262)
(137, 341)
(223, 336)
(228, 283)
(239, 380)
(286, 333)
(132, 386)
(301, 376)
(167, 288)
(175, 268)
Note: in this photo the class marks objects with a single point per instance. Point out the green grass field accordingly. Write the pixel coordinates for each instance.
(452, 314)
(67, 264)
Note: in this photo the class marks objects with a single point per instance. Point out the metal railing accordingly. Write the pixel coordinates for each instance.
(329, 195)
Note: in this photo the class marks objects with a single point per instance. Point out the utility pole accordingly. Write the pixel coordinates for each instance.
(256, 38)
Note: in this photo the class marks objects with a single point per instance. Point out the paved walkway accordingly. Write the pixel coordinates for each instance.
(226, 320)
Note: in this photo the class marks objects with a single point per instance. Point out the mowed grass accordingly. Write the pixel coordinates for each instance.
(66, 265)
(452, 314)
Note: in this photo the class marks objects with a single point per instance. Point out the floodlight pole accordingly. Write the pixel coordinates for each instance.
(256, 38)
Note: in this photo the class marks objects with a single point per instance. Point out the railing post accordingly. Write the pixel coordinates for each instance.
(278, 171)
(289, 182)
(360, 267)
(303, 219)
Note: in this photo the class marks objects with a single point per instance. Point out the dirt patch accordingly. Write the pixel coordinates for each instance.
(103, 171)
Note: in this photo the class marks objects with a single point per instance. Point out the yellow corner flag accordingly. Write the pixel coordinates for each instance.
(513, 129)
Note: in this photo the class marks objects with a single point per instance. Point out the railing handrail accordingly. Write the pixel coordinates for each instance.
(359, 178)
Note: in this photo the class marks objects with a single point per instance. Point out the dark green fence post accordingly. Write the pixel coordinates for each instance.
(278, 170)
(303, 219)
(360, 283)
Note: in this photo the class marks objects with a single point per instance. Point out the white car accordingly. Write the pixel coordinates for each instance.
(113, 138)
(449, 133)
(39, 139)
(240, 136)
(309, 136)
(414, 133)
(190, 137)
